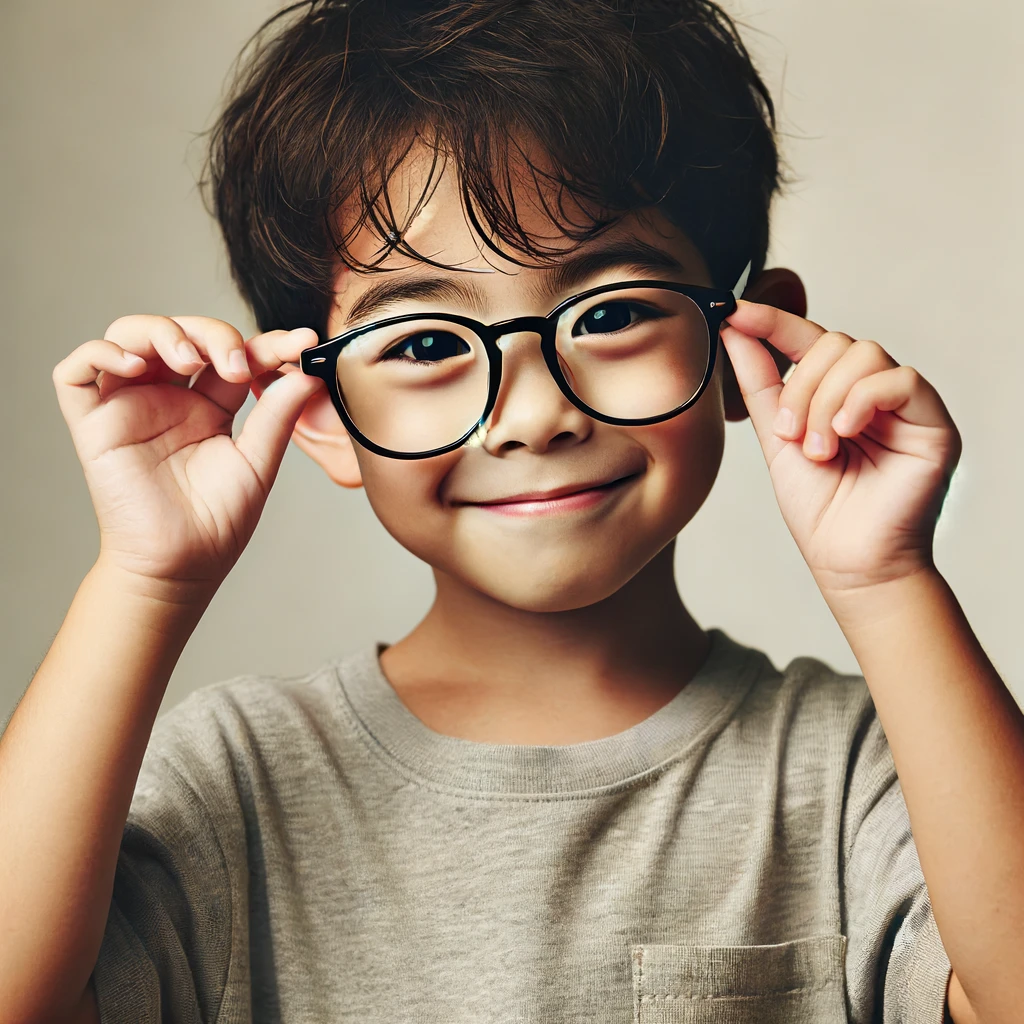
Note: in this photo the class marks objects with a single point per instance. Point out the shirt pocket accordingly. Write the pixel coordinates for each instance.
(798, 982)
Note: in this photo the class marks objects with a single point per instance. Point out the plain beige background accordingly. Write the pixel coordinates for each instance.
(902, 121)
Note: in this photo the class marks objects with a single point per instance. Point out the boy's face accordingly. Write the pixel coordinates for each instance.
(535, 557)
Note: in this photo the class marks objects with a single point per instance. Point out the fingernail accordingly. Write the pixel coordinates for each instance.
(785, 421)
(188, 353)
(815, 444)
(236, 362)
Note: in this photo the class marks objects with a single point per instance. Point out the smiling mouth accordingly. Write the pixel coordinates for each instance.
(565, 499)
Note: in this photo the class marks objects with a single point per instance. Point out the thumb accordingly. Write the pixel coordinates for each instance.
(268, 427)
(760, 385)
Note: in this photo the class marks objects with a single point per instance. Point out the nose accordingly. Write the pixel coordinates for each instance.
(530, 411)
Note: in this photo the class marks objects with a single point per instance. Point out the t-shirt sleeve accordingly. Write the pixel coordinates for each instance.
(897, 969)
(177, 927)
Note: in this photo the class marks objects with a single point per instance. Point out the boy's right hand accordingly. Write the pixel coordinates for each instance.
(176, 498)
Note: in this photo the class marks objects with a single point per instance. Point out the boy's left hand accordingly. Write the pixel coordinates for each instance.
(863, 509)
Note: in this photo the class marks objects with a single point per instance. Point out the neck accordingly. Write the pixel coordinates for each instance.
(477, 668)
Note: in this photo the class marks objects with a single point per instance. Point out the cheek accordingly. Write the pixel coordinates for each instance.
(685, 456)
(404, 497)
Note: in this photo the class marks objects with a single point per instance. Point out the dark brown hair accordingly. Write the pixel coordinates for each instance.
(635, 103)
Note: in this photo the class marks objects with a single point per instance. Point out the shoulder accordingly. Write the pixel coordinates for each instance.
(806, 690)
(815, 717)
(251, 722)
(815, 732)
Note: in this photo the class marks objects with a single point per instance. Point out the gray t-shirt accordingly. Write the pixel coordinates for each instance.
(305, 849)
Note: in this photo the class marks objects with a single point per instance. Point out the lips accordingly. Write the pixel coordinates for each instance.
(554, 493)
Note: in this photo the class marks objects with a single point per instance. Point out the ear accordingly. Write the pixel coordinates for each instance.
(784, 290)
(320, 433)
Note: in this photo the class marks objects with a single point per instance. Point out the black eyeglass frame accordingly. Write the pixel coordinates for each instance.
(715, 303)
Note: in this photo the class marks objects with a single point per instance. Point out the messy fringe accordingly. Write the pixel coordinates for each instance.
(630, 105)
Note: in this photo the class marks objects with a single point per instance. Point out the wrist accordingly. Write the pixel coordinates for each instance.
(859, 609)
(172, 599)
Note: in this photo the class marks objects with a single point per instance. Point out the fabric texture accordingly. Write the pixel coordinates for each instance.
(306, 849)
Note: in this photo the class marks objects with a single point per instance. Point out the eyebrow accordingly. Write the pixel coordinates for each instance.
(630, 253)
(388, 292)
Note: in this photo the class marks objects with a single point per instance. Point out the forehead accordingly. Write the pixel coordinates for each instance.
(425, 200)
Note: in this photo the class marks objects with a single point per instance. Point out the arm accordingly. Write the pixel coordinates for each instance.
(957, 739)
(861, 451)
(176, 501)
(69, 760)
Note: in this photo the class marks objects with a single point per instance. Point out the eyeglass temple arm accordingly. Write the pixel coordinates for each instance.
(738, 288)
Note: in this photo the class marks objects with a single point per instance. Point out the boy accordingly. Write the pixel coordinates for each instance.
(558, 798)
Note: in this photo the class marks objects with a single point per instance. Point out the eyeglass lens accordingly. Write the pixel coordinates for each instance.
(627, 354)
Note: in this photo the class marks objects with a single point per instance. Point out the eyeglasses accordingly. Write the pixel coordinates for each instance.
(422, 384)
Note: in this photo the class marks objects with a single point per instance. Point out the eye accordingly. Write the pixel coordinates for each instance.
(428, 347)
(610, 316)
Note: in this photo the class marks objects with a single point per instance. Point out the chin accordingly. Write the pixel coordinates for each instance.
(535, 590)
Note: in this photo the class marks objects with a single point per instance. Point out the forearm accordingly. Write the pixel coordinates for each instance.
(957, 740)
(69, 761)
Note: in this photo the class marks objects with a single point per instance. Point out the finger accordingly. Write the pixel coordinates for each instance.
(760, 385)
(76, 376)
(156, 372)
(268, 428)
(272, 349)
(900, 390)
(150, 335)
(219, 344)
(224, 393)
(792, 335)
(861, 359)
(795, 400)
